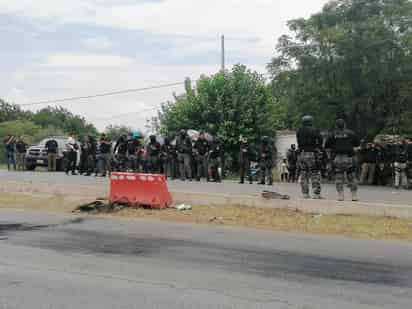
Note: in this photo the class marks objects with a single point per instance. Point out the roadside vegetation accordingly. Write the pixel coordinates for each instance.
(276, 220)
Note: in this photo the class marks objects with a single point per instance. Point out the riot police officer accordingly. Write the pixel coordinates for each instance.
(201, 150)
(246, 155)
(184, 153)
(266, 161)
(342, 142)
(168, 159)
(215, 161)
(292, 157)
(121, 155)
(133, 147)
(309, 144)
(400, 164)
(153, 154)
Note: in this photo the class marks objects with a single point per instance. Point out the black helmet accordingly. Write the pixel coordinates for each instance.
(152, 138)
(265, 139)
(340, 124)
(307, 120)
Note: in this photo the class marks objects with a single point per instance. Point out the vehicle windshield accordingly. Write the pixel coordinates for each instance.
(60, 141)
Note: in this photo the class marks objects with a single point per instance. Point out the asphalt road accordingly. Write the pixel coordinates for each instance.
(366, 193)
(56, 261)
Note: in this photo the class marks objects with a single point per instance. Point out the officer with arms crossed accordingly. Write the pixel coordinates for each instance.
(309, 144)
(342, 143)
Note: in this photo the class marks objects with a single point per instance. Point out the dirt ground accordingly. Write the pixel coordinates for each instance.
(364, 227)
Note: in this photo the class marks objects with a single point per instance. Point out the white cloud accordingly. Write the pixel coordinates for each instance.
(265, 19)
(80, 74)
(86, 60)
(191, 27)
(98, 42)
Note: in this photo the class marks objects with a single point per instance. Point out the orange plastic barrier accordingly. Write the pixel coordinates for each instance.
(140, 190)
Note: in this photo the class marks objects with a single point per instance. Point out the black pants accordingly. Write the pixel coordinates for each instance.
(71, 162)
(292, 173)
(245, 170)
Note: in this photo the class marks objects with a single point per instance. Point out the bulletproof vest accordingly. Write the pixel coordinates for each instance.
(153, 149)
(202, 146)
(105, 148)
(132, 145)
(343, 142)
(122, 149)
(401, 154)
(309, 139)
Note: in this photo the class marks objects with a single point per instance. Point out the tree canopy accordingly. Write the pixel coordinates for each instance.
(34, 126)
(351, 60)
(227, 105)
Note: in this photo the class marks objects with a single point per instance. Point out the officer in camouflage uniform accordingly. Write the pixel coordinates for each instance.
(245, 157)
(153, 154)
(266, 161)
(401, 163)
(409, 165)
(309, 144)
(184, 153)
(342, 143)
(201, 150)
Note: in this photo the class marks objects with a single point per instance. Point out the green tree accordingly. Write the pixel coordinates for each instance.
(114, 132)
(227, 105)
(352, 60)
(60, 117)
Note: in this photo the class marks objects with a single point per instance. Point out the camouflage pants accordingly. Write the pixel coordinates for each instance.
(344, 164)
(266, 171)
(309, 171)
(400, 173)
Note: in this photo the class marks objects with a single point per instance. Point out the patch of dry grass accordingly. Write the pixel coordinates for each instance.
(364, 227)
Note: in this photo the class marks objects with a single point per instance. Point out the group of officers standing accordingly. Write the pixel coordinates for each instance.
(203, 157)
(183, 158)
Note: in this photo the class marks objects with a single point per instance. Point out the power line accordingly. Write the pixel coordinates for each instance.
(103, 94)
(128, 114)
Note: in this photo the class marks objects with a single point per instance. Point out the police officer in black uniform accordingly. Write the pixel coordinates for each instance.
(120, 151)
(201, 150)
(292, 157)
(342, 142)
(215, 161)
(246, 155)
(309, 165)
(153, 154)
(266, 161)
(400, 163)
(133, 147)
(184, 153)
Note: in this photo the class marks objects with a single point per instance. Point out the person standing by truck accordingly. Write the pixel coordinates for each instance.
(72, 149)
(52, 150)
(10, 143)
(21, 148)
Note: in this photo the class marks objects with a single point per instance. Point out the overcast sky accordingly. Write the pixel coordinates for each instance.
(62, 48)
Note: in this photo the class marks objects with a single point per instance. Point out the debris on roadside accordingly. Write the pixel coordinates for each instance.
(274, 195)
(99, 206)
(182, 207)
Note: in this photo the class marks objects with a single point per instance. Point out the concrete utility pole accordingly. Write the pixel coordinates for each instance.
(223, 53)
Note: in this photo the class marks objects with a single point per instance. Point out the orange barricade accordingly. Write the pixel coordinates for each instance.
(140, 190)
